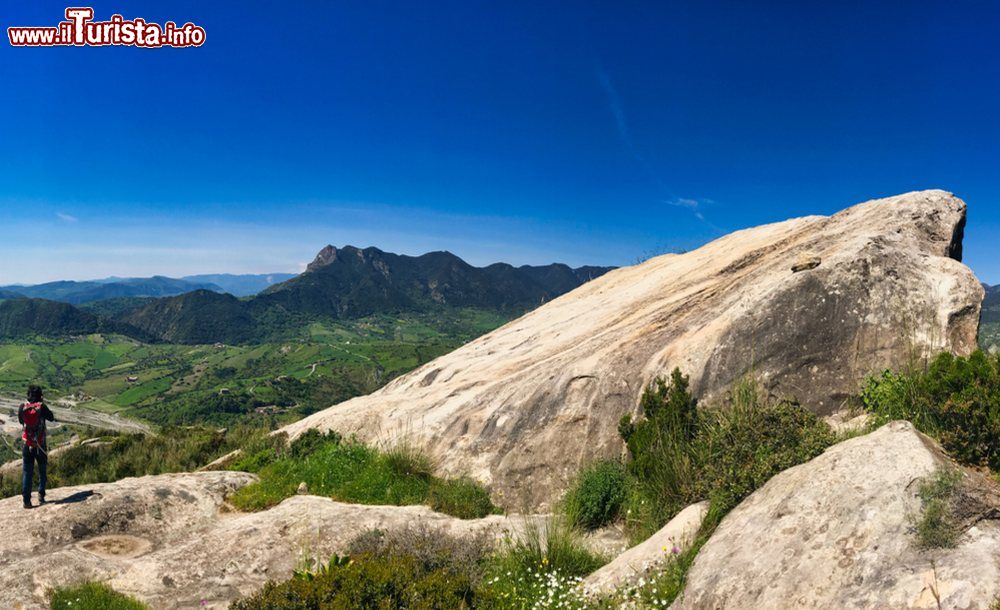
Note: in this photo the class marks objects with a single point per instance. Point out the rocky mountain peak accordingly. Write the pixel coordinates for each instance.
(326, 256)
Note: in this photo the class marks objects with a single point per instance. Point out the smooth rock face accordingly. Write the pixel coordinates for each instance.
(646, 558)
(838, 532)
(170, 541)
(524, 407)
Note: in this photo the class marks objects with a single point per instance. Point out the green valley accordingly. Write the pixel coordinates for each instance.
(172, 352)
(323, 363)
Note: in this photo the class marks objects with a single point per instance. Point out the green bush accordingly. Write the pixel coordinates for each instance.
(93, 596)
(366, 582)
(311, 441)
(259, 451)
(955, 399)
(597, 495)
(682, 454)
(433, 548)
(670, 416)
(752, 440)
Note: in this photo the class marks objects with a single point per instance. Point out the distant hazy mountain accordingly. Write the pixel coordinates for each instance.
(352, 283)
(77, 293)
(7, 294)
(241, 285)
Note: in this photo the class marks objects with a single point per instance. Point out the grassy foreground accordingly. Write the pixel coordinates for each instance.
(679, 452)
(349, 471)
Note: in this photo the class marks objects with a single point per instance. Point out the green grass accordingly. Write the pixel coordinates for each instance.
(539, 569)
(462, 498)
(936, 527)
(349, 471)
(93, 596)
(367, 582)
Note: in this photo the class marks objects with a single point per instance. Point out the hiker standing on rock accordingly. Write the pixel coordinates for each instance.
(33, 415)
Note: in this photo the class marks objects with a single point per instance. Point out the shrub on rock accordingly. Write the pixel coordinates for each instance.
(596, 498)
(955, 399)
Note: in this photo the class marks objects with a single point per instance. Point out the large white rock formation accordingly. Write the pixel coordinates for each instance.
(809, 305)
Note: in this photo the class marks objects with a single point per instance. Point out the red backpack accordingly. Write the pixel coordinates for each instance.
(34, 424)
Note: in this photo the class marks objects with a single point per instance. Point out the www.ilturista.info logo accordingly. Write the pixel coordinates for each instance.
(80, 30)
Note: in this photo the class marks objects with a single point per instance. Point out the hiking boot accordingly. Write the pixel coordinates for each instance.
(41, 500)
(27, 504)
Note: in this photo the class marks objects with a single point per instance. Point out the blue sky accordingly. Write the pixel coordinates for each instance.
(519, 131)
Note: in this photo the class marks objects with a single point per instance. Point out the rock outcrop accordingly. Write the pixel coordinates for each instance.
(170, 541)
(648, 558)
(838, 532)
(524, 407)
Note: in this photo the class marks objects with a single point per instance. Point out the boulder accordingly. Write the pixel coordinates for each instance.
(171, 541)
(839, 532)
(523, 408)
(647, 557)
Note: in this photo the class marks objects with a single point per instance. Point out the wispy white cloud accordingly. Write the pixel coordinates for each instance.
(695, 206)
(66, 217)
(683, 202)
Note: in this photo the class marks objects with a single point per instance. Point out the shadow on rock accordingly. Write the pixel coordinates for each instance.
(79, 496)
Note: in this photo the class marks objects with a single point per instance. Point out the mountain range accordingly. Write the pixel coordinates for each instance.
(350, 283)
(80, 293)
(340, 284)
(240, 285)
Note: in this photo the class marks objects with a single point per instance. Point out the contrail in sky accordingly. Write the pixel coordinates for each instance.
(618, 112)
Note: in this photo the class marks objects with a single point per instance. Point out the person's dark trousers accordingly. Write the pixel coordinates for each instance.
(30, 455)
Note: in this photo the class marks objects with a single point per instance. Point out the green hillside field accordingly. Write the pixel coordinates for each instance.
(326, 363)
